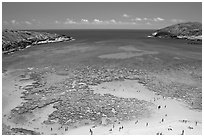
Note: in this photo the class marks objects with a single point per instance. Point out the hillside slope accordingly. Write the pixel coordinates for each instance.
(188, 30)
(13, 40)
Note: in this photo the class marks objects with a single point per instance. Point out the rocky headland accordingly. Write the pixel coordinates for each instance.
(14, 40)
(191, 31)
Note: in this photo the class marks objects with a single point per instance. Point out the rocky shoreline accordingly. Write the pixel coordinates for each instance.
(191, 31)
(15, 40)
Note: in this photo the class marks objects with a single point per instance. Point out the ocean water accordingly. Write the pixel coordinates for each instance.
(104, 34)
(89, 45)
(122, 34)
(110, 47)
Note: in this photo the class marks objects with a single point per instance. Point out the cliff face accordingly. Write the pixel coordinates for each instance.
(189, 30)
(13, 40)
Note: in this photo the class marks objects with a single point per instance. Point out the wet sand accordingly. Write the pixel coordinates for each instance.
(172, 111)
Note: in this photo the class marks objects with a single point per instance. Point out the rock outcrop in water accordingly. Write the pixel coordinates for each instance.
(14, 40)
(189, 31)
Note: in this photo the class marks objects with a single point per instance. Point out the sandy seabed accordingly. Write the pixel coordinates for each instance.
(169, 116)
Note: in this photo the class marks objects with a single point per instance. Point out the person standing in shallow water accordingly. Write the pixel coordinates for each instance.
(66, 128)
(91, 132)
(182, 132)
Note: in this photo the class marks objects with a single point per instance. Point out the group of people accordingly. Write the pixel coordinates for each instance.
(110, 130)
(147, 124)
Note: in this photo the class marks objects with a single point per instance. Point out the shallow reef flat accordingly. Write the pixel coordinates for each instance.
(140, 86)
(96, 96)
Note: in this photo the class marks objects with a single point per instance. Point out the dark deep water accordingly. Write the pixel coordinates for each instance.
(89, 44)
(137, 35)
(103, 34)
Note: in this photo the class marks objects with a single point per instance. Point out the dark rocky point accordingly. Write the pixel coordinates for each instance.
(191, 31)
(14, 40)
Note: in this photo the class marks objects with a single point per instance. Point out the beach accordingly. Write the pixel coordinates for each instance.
(104, 86)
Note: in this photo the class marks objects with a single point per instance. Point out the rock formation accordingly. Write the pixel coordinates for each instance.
(188, 30)
(14, 40)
